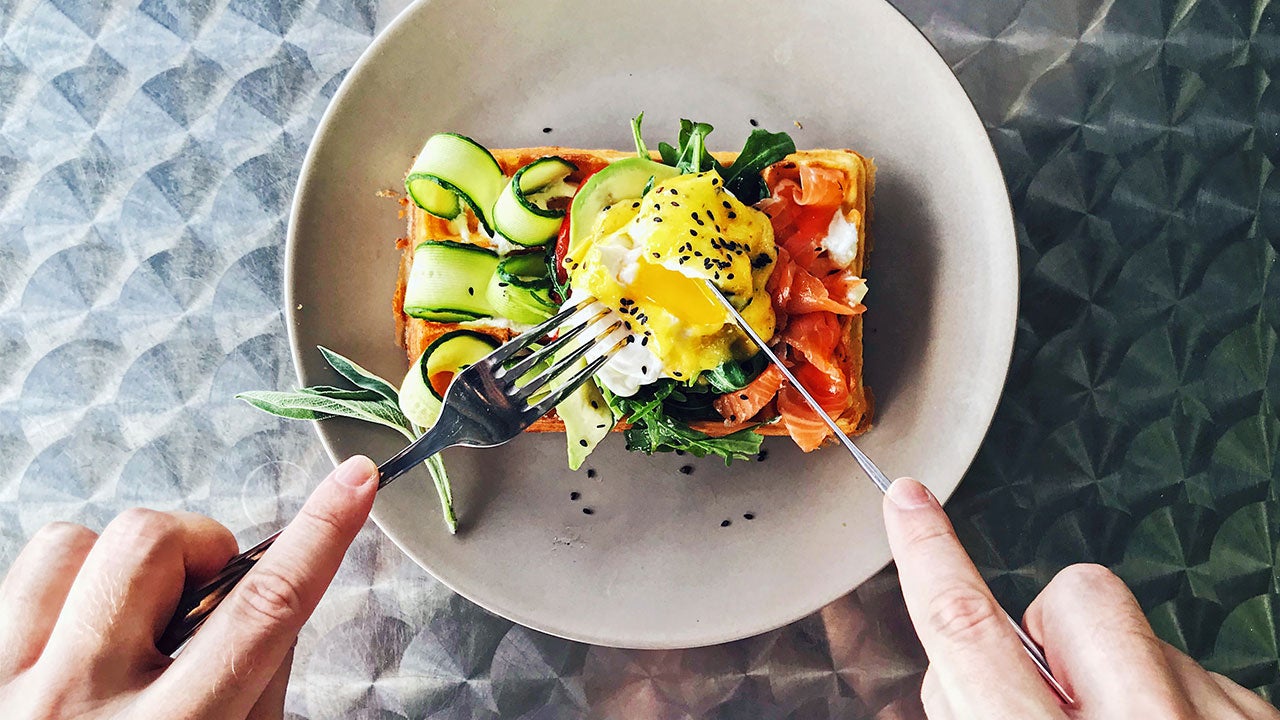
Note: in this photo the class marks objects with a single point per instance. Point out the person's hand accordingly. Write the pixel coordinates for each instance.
(80, 613)
(1099, 644)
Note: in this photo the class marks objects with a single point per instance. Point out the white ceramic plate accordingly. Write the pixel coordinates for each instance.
(652, 567)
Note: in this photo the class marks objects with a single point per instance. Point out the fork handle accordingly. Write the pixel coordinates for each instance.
(197, 603)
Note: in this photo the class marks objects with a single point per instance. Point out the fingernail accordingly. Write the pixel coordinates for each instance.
(909, 494)
(355, 471)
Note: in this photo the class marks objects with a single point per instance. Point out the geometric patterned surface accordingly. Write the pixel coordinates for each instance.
(148, 151)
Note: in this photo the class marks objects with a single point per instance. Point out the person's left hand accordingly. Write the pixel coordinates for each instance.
(80, 614)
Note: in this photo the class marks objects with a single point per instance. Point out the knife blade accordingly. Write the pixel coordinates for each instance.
(864, 462)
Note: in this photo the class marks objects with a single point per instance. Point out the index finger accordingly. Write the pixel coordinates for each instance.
(981, 666)
(229, 662)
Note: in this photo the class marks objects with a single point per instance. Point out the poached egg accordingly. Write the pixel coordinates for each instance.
(646, 260)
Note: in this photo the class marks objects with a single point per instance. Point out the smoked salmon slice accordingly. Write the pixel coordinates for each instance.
(743, 404)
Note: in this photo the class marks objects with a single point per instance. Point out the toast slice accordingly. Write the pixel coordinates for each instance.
(858, 173)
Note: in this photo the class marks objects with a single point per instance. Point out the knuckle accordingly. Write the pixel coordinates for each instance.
(63, 533)
(1089, 578)
(142, 524)
(927, 534)
(324, 521)
(268, 598)
(962, 613)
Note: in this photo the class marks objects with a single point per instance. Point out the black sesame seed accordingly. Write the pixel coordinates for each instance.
(748, 516)
(764, 455)
(546, 130)
(733, 215)
(675, 204)
(673, 191)
(754, 123)
(715, 181)
(644, 341)
(729, 276)
(575, 495)
(591, 472)
(726, 204)
(694, 215)
(644, 369)
(742, 396)
(697, 253)
(677, 373)
(595, 405)
(588, 511)
(471, 291)
(657, 219)
(656, 255)
(657, 207)
(502, 284)
(693, 232)
(582, 442)
(725, 523)
(686, 469)
(635, 205)
(600, 426)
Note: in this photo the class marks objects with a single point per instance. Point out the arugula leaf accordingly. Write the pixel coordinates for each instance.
(732, 375)
(694, 157)
(653, 429)
(641, 149)
(304, 405)
(660, 433)
(742, 178)
(359, 376)
(761, 150)
(670, 155)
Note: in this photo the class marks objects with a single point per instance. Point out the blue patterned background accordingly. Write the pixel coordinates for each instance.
(148, 152)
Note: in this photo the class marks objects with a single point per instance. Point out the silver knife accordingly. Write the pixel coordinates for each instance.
(877, 476)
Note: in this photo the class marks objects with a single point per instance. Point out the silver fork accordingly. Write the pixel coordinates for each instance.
(486, 405)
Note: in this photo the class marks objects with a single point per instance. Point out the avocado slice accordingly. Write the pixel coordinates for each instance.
(619, 180)
(587, 420)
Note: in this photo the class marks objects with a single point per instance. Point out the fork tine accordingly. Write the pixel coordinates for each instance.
(559, 394)
(519, 369)
(522, 341)
(563, 364)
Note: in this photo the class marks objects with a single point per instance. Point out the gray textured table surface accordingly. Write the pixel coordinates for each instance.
(148, 151)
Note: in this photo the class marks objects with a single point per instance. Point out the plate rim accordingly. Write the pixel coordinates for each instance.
(1008, 336)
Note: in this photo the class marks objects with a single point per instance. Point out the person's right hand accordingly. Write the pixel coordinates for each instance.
(80, 614)
(1099, 644)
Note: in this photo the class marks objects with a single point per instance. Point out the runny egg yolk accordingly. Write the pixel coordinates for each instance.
(647, 259)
